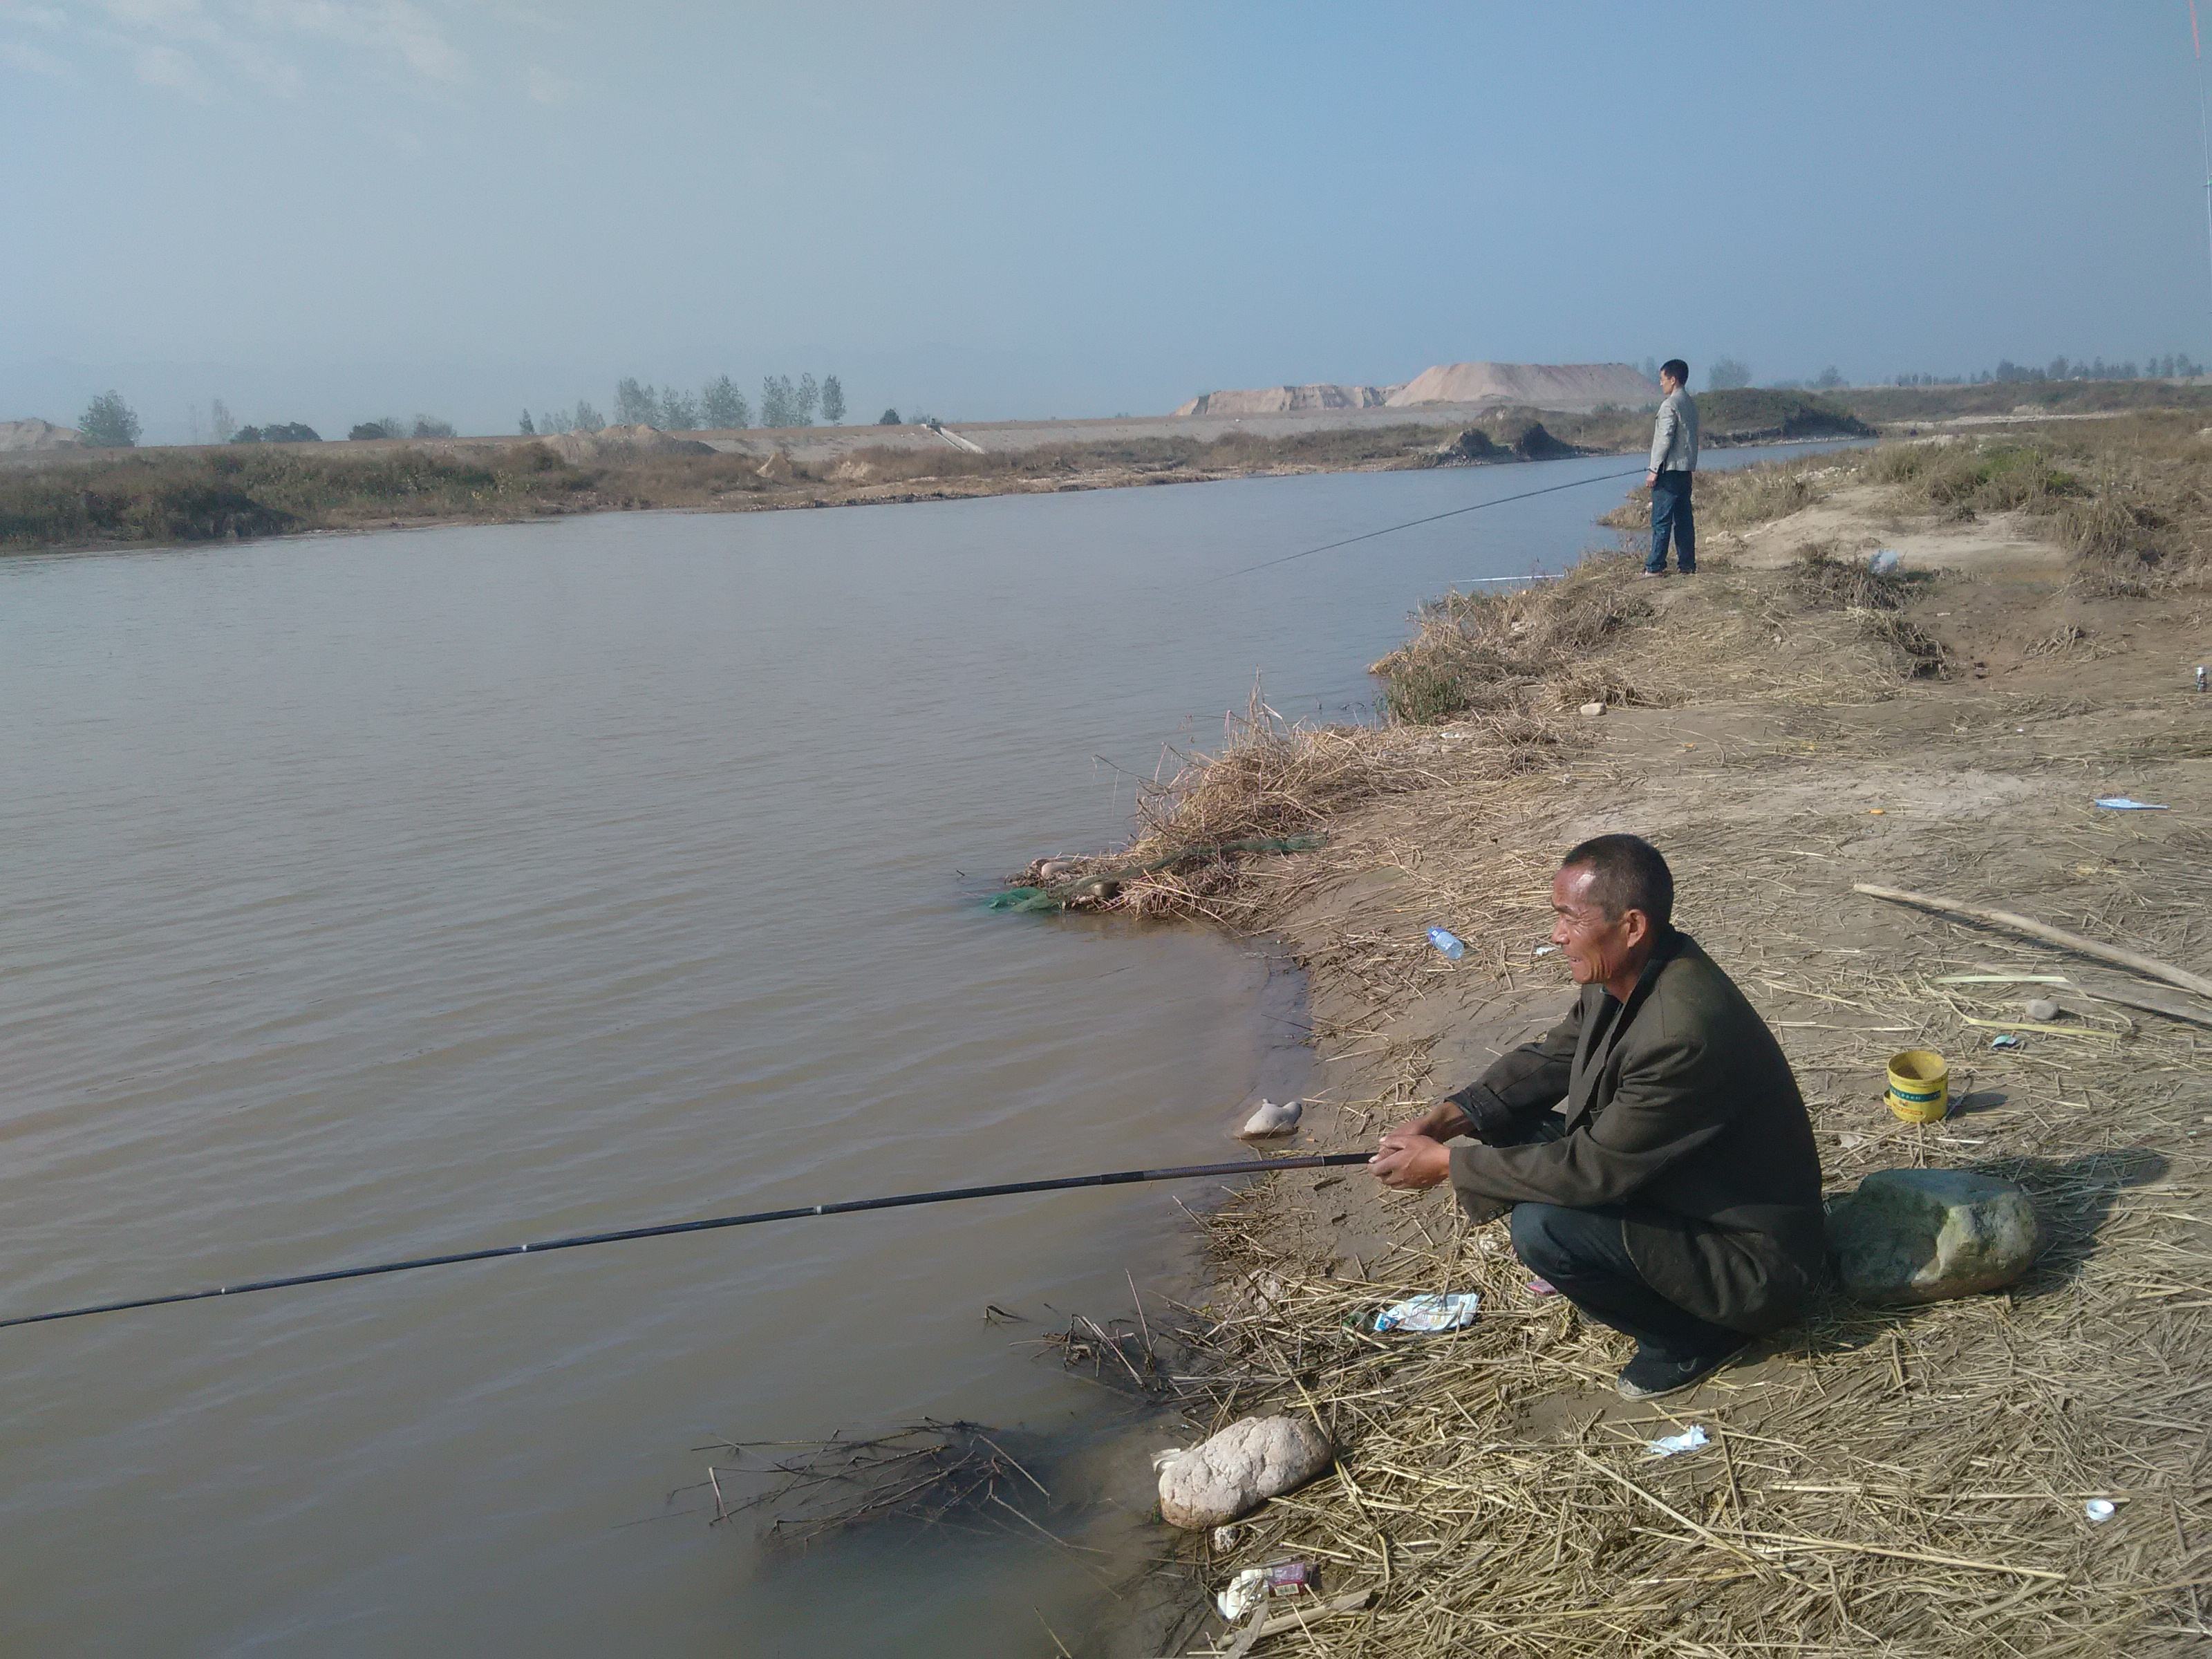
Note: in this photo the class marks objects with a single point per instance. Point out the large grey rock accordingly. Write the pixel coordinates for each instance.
(1240, 1468)
(1924, 1234)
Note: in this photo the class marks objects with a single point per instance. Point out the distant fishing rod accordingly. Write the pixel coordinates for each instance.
(1392, 530)
(578, 1241)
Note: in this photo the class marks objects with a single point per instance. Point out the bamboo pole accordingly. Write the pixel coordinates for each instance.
(2135, 961)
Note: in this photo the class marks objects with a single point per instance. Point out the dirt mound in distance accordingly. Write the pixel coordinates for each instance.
(1282, 399)
(35, 434)
(1568, 387)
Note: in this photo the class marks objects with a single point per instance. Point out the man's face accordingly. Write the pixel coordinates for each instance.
(1595, 945)
(1667, 383)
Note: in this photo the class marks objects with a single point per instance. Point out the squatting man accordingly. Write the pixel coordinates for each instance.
(1674, 1194)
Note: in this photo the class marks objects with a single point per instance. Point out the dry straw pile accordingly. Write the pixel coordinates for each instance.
(1907, 1482)
(1876, 1482)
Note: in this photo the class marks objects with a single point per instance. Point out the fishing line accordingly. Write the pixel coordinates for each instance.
(2204, 125)
(580, 1241)
(1330, 547)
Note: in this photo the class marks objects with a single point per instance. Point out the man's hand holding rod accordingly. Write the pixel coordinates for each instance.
(1414, 1155)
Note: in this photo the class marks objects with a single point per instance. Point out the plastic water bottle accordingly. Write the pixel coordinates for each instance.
(2200, 676)
(1448, 942)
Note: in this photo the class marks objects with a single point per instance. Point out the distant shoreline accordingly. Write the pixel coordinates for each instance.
(107, 500)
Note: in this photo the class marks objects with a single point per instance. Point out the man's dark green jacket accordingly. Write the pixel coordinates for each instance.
(1680, 1110)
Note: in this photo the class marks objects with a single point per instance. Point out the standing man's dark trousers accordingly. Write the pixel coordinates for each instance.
(1584, 1255)
(1671, 515)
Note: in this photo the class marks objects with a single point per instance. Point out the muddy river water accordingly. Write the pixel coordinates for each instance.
(395, 894)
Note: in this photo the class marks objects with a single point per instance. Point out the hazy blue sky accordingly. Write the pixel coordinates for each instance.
(322, 209)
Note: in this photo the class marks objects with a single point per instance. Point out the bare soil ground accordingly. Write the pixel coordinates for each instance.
(1877, 1482)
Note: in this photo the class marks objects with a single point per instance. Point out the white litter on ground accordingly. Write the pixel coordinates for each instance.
(1428, 1314)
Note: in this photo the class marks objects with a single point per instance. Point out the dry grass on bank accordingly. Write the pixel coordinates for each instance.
(1888, 1481)
(1504, 672)
(1823, 580)
(1881, 1482)
(157, 496)
(1507, 668)
(2129, 497)
(1167, 459)
(1513, 660)
(1899, 1483)
(1507, 672)
(1937, 403)
(1269, 778)
(1740, 497)
(185, 495)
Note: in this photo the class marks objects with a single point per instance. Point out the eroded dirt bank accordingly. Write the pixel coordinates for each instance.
(1782, 726)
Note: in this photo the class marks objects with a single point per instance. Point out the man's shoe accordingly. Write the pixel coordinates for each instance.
(1651, 573)
(1650, 1375)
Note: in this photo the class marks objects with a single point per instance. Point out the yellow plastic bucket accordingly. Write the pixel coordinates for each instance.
(1919, 1085)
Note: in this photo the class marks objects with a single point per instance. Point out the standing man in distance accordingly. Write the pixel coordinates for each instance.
(1673, 465)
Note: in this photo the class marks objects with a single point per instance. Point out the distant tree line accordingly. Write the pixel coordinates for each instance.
(1722, 374)
(1830, 379)
(1727, 374)
(109, 423)
(392, 426)
(717, 406)
(388, 426)
(2173, 365)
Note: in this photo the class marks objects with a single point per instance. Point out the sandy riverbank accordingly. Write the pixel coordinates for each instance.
(1877, 1481)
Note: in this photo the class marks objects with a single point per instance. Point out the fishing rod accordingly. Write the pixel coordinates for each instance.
(580, 1241)
(1392, 530)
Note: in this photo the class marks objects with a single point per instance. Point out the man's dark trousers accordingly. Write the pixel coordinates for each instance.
(1671, 513)
(1584, 1255)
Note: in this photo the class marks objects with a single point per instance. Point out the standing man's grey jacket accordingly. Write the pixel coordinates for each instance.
(1674, 435)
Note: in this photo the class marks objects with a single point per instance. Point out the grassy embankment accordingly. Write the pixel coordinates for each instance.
(158, 496)
(1879, 1481)
(2129, 499)
(1885, 404)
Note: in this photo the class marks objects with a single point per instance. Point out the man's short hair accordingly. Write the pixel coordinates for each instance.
(1628, 874)
(1677, 368)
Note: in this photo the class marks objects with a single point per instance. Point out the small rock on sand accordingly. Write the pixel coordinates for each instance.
(1220, 1480)
(1925, 1235)
(1273, 1118)
(2042, 1008)
(1592, 710)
